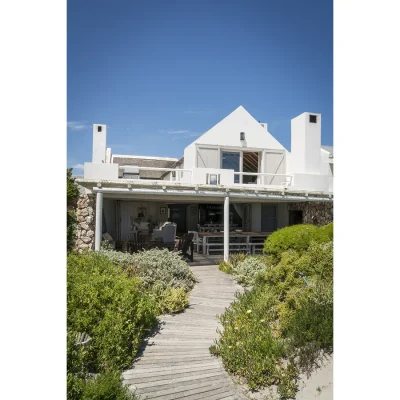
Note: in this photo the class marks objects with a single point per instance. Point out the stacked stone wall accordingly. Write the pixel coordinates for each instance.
(85, 214)
(317, 213)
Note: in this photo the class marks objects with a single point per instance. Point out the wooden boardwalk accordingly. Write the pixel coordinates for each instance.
(176, 362)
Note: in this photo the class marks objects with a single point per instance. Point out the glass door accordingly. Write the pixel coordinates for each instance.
(231, 160)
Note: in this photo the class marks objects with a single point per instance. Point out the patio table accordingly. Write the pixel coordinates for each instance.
(242, 241)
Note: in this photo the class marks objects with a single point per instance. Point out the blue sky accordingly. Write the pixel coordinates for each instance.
(161, 73)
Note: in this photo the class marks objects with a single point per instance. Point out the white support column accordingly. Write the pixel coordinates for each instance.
(263, 178)
(226, 228)
(99, 221)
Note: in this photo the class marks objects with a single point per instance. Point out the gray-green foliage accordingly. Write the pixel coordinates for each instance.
(246, 271)
(155, 266)
(277, 329)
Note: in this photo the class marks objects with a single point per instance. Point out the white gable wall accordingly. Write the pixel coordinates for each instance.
(227, 132)
(226, 135)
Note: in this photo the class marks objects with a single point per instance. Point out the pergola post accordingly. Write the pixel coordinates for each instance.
(99, 221)
(226, 228)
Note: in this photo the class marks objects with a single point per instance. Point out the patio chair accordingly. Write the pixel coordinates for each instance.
(197, 242)
(166, 233)
(186, 245)
(108, 238)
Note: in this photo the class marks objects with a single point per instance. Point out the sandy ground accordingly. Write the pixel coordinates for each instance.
(319, 385)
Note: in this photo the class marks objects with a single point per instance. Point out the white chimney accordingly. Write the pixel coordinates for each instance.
(99, 143)
(305, 154)
(108, 155)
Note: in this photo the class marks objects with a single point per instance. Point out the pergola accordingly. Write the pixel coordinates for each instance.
(173, 191)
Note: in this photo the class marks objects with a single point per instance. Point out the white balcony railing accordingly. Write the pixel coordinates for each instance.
(202, 174)
(286, 182)
(211, 176)
(176, 175)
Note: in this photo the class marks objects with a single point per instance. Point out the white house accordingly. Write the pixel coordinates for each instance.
(235, 174)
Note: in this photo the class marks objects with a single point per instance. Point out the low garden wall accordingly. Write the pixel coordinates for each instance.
(317, 213)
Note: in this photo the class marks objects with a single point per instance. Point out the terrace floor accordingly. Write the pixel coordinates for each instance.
(176, 362)
(202, 259)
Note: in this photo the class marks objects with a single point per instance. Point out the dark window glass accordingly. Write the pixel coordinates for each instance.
(231, 161)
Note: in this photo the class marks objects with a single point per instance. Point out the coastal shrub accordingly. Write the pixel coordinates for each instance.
(235, 259)
(153, 266)
(246, 271)
(107, 386)
(115, 298)
(277, 329)
(249, 346)
(225, 267)
(77, 367)
(327, 230)
(229, 266)
(170, 299)
(296, 237)
(165, 267)
(312, 321)
(109, 306)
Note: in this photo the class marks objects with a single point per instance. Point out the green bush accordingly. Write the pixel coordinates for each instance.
(156, 266)
(170, 300)
(235, 259)
(111, 307)
(327, 230)
(312, 321)
(296, 237)
(248, 345)
(268, 331)
(107, 386)
(76, 367)
(246, 271)
(225, 267)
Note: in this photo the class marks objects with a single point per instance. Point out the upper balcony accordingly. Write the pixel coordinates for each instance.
(210, 176)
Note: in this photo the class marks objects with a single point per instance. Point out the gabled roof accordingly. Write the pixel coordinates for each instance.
(143, 161)
(229, 128)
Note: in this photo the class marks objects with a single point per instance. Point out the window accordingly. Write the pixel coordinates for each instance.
(313, 119)
(231, 160)
(99, 129)
(213, 179)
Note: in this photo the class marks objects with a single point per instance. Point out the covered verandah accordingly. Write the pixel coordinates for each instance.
(225, 241)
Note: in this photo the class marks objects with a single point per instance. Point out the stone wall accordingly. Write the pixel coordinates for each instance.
(317, 213)
(85, 214)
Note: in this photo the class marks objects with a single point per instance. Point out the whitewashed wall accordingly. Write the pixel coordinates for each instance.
(306, 144)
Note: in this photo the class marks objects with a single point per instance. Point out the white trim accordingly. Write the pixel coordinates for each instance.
(210, 193)
(146, 157)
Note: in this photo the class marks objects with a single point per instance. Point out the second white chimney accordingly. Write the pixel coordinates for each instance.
(305, 154)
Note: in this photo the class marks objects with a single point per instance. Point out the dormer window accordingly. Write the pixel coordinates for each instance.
(313, 119)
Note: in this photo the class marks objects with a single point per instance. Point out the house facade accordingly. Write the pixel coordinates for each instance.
(236, 175)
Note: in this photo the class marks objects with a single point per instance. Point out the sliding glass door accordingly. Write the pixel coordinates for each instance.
(231, 160)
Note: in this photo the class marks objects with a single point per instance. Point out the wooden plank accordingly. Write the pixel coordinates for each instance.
(176, 363)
